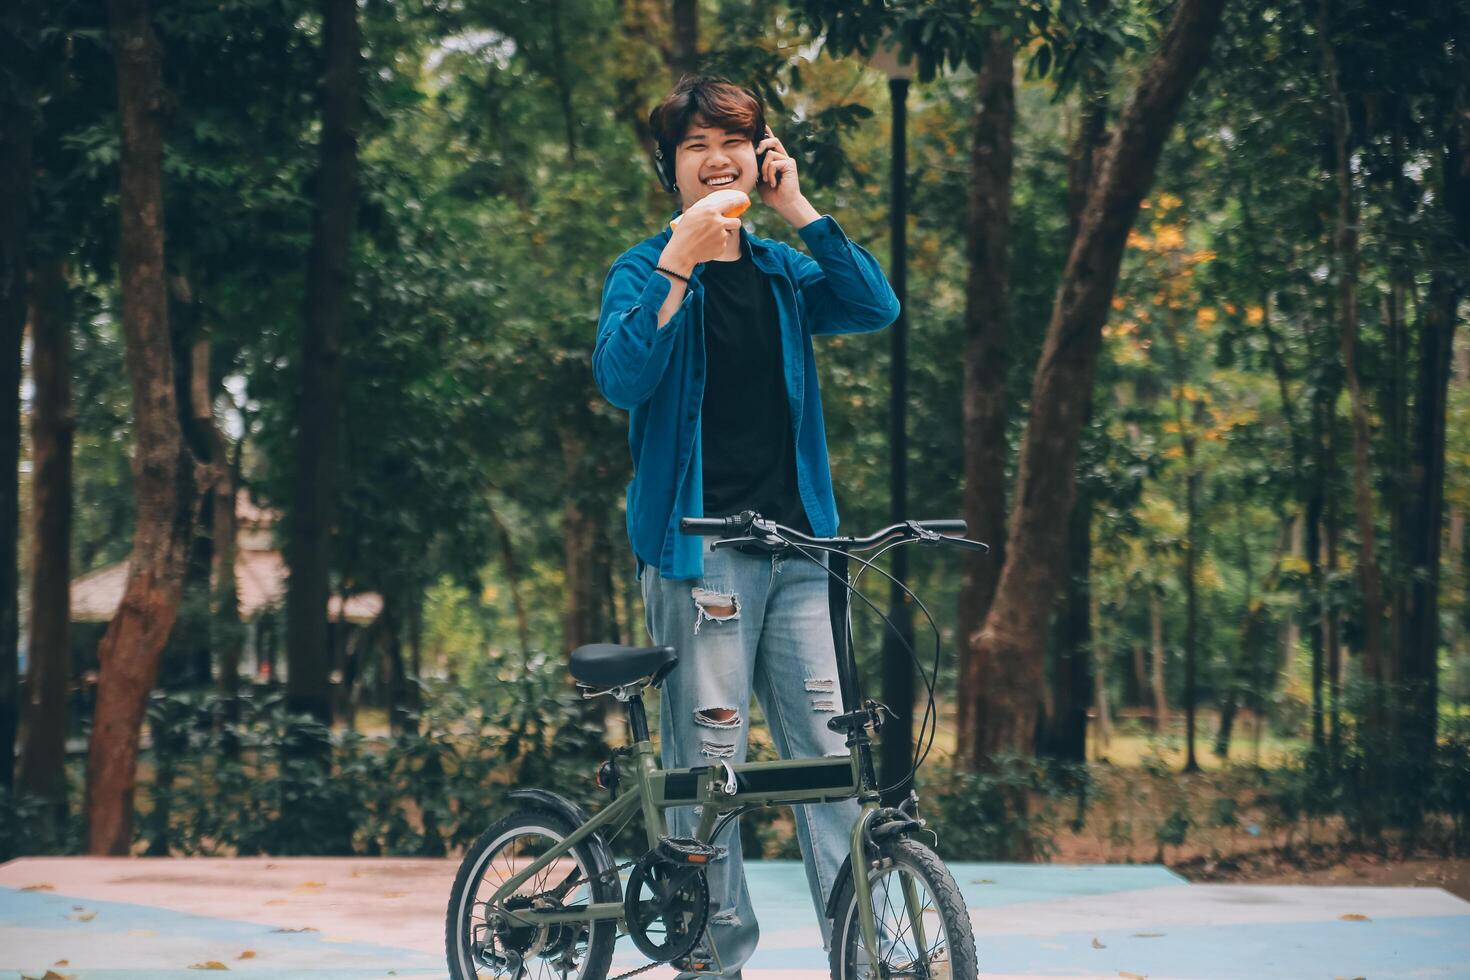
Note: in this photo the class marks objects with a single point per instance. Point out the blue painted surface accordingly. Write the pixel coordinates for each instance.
(1384, 949)
(1292, 945)
(55, 916)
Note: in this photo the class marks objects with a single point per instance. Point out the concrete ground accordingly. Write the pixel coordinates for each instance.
(335, 919)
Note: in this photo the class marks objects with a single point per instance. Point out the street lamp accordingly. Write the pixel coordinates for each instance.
(896, 753)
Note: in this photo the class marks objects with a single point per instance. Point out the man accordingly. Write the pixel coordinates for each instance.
(705, 338)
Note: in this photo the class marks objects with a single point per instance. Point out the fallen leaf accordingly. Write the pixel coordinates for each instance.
(1132, 976)
(1097, 945)
(276, 901)
(83, 916)
(309, 886)
(302, 929)
(62, 963)
(249, 954)
(982, 881)
(394, 894)
(39, 888)
(208, 965)
(1354, 917)
(1148, 935)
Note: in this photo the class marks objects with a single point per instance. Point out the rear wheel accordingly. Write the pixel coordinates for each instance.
(481, 945)
(924, 930)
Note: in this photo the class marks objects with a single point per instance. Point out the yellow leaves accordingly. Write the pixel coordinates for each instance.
(1203, 255)
(1295, 564)
(208, 965)
(248, 954)
(1140, 241)
(1354, 917)
(1169, 237)
(1255, 315)
(306, 887)
(1168, 202)
(1118, 303)
(1205, 317)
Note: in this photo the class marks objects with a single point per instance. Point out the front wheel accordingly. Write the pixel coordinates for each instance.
(482, 945)
(923, 929)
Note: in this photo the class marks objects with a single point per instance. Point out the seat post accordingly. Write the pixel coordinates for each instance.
(637, 720)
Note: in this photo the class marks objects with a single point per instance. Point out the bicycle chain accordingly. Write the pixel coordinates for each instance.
(616, 869)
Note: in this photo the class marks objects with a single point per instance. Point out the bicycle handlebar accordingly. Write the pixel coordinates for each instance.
(749, 523)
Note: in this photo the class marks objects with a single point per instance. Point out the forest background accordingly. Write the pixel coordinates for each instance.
(1184, 284)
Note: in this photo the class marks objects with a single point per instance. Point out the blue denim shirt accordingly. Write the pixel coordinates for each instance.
(658, 376)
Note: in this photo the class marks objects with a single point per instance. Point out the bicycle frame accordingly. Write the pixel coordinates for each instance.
(783, 782)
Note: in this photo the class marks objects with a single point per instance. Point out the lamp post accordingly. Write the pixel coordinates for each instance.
(896, 753)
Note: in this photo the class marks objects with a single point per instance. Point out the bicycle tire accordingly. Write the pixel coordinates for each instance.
(458, 933)
(953, 958)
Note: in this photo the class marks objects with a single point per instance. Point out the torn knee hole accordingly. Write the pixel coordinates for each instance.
(718, 717)
(716, 750)
(714, 606)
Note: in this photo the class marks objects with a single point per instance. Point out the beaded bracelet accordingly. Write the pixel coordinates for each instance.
(671, 272)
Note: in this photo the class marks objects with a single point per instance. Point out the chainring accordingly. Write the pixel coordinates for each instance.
(677, 901)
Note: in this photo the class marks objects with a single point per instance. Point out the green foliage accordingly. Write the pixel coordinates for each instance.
(1010, 810)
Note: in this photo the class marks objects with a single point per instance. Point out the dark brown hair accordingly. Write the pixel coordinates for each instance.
(711, 99)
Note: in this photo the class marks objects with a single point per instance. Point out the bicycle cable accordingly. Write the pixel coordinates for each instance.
(930, 714)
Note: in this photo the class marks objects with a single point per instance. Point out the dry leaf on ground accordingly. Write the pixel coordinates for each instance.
(302, 929)
(249, 954)
(1354, 917)
(208, 965)
(81, 916)
(1096, 944)
(39, 888)
(1132, 976)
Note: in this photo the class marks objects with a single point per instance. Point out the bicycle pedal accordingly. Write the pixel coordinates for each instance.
(686, 850)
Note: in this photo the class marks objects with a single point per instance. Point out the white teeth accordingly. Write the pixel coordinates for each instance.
(717, 181)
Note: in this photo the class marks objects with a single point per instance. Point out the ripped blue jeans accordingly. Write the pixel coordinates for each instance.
(753, 623)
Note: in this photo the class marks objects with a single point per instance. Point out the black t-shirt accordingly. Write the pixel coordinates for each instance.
(749, 449)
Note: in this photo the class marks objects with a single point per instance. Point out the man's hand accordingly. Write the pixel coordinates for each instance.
(778, 184)
(702, 235)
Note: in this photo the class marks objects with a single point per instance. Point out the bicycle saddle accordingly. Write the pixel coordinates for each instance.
(612, 664)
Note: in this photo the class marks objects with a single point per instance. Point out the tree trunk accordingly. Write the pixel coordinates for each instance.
(1156, 677)
(1345, 248)
(987, 323)
(1447, 287)
(328, 283)
(684, 55)
(1104, 735)
(577, 535)
(638, 20)
(1140, 675)
(1072, 681)
(162, 478)
(17, 106)
(1191, 602)
(43, 749)
(1015, 629)
(1317, 623)
(228, 634)
(513, 582)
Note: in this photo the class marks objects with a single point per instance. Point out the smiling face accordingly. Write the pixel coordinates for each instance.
(710, 159)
